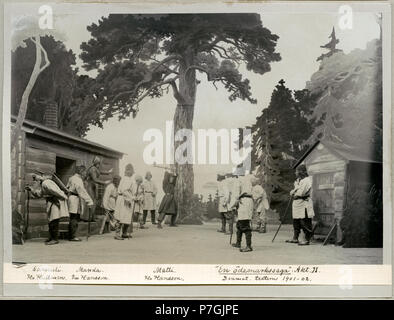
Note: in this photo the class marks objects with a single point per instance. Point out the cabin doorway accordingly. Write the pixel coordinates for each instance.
(323, 198)
(65, 168)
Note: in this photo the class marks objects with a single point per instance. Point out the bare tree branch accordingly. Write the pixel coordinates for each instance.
(47, 62)
(168, 81)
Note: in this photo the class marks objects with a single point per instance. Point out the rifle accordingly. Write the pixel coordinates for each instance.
(55, 178)
(172, 170)
(284, 218)
(232, 231)
(132, 213)
(161, 167)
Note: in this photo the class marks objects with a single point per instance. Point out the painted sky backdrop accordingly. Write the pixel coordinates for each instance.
(300, 38)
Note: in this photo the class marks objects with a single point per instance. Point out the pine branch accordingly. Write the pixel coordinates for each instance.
(147, 79)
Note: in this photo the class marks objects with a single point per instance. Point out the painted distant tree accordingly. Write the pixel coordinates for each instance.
(27, 29)
(55, 84)
(82, 109)
(349, 105)
(144, 56)
(278, 137)
(331, 46)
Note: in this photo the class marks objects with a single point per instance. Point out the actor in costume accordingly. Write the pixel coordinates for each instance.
(224, 197)
(124, 204)
(260, 206)
(233, 191)
(92, 180)
(245, 213)
(56, 203)
(78, 197)
(109, 200)
(302, 206)
(150, 192)
(168, 205)
(137, 190)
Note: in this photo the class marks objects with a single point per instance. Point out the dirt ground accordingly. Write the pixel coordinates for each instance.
(191, 244)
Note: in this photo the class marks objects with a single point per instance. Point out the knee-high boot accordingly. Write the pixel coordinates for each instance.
(145, 214)
(239, 239)
(248, 236)
(152, 216)
(223, 220)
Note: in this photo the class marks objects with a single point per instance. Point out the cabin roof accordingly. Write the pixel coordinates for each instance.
(61, 137)
(342, 151)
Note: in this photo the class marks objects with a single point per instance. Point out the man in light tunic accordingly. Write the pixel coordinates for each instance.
(234, 188)
(56, 203)
(78, 197)
(137, 191)
(260, 206)
(302, 206)
(124, 204)
(224, 197)
(109, 200)
(229, 214)
(150, 192)
(245, 213)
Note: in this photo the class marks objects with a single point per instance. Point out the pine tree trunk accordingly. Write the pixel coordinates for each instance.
(183, 119)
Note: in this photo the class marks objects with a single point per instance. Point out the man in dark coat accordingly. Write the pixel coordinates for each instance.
(168, 204)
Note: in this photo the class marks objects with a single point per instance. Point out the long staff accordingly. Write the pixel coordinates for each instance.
(132, 214)
(284, 217)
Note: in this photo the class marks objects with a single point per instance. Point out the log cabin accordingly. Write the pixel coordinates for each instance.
(51, 151)
(339, 172)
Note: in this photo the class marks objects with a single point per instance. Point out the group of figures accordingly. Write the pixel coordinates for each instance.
(242, 198)
(126, 200)
(130, 198)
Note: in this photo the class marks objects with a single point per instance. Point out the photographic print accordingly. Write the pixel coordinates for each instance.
(197, 144)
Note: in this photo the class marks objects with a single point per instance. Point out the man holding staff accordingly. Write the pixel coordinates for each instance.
(224, 196)
(260, 206)
(302, 206)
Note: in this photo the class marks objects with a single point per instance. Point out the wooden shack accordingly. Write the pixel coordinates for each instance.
(339, 172)
(50, 150)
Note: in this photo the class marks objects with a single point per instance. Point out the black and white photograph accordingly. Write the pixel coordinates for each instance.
(234, 136)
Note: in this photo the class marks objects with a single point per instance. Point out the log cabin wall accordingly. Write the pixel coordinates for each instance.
(329, 174)
(18, 174)
(35, 153)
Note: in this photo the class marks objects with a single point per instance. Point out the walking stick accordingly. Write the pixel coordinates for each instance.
(232, 222)
(284, 218)
(88, 231)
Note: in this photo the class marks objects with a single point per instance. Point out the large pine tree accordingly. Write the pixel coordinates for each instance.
(142, 56)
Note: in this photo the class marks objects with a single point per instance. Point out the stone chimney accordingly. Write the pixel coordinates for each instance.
(50, 116)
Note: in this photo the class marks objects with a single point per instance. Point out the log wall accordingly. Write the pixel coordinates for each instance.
(36, 154)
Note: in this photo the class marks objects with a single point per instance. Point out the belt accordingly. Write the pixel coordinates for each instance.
(245, 196)
(302, 198)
